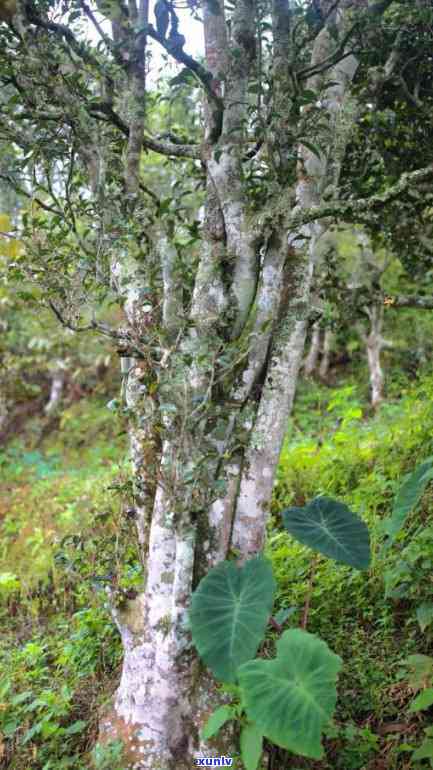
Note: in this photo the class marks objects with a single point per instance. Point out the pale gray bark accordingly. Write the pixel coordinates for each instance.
(328, 340)
(160, 656)
(56, 391)
(311, 360)
(267, 436)
(375, 343)
(159, 704)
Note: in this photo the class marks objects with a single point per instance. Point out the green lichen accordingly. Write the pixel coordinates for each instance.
(167, 577)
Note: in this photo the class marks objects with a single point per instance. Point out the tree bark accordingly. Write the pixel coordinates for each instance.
(312, 358)
(375, 343)
(164, 696)
(56, 391)
(328, 339)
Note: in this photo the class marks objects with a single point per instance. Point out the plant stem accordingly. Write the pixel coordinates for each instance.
(309, 593)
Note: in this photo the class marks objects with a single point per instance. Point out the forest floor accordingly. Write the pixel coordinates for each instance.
(64, 535)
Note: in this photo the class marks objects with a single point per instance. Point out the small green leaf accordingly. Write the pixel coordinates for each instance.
(407, 499)
(422, 701)
(424, 615)
(422, 670)
(425, 751)
(251, 742)
(76, 727)
(216, 720)
(185, 77)
(21, 698)
(35, 730)
(331, 528)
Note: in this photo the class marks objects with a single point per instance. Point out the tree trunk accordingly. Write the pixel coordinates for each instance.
(374, 344)
(56, 391)
(328, 340)
(164, 695)
(312, 358)
(3, 413)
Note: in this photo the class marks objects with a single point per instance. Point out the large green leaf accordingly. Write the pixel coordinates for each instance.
(408, 497)
(229, 613)
(292, 698)
(331, 528)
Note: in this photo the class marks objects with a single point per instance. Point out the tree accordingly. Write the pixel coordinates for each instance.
(214, 282)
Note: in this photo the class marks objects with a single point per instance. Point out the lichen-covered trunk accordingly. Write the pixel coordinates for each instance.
(224, 389)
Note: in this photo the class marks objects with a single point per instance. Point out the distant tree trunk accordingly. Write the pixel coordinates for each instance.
(375, 343)
(3, 413)
(328, 339)
(56, 391)
(312, 358)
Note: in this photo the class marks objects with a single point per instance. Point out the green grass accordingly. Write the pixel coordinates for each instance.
(62, 528)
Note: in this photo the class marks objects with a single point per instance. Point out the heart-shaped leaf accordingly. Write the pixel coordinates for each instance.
(331, 528)
(292, 698)
(229, 613)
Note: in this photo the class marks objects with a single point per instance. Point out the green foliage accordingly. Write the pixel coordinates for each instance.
(251, 745)
(229, 613)
(43, 684)
(408, 576)
(291, 698)
(63, 529)
(108, 756)
(419, 673)
(332, 529)
(345, 405)
(9, 583)
(408, 498)
(370, 628)
(288, 700)
(219, 717)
